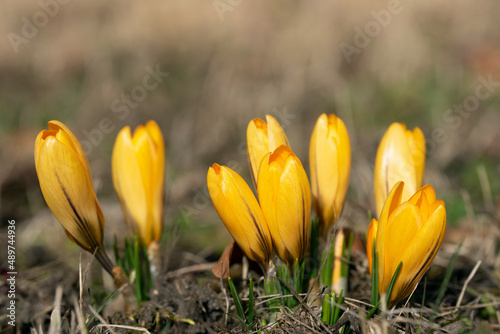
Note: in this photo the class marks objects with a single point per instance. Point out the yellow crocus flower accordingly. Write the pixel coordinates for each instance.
(400, 157)
(410, 232)
(66, 182)
(263, 138)
(240, 212)
(330, 165)
(138, 170)
(285, 198)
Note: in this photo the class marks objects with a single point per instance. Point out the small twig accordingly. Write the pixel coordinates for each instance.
(109, 326)
(80, 280)
(419, 322)
(191, 269)
(311, 330)
(303, 304)
(82, 327)
(225, 294)
(485, 188)
(55, 316)
(467, 281)
(101, 319)
(467, 307)
(347, 318)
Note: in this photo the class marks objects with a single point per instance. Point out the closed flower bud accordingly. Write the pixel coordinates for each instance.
(239, 210)
(66, 182)
(410, 232)
(138, 170)
(285, 198)
(262, 138)
(330, 165)
(400, 157)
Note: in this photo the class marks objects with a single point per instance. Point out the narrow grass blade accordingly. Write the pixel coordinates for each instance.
(328, 268)
(116, 253)
(237, 302)
(138, 272)
(373, 310)
(374, 297)
(250, 302)
(129, 258)
(147, 270)
(344, 272)
(336, 312)
(446, 281)
(325, 311)
(391, 284)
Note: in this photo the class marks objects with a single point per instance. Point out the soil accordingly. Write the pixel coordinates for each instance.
(195, 303)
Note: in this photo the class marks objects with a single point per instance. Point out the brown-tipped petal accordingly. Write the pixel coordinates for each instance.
(285, 197)
(69, 192)
(262, 138)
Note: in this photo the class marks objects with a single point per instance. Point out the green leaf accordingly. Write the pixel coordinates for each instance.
(237, 303)
(374, 298)
(250, 302)
(391, 284)
(325, 310)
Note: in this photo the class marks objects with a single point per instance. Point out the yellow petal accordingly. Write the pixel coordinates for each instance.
(429, 192)
(419, 253)
(401, 229)
(400, 157)
(240, 212)
(256, 145)
(392, 202)
(275, 134)
(139, 177)
(417, 148)
(330, 160)
(262, 138)
(285, 196)
(158, 177)
(128, 183)
(410, 232)
(69, 193)
(75, 144)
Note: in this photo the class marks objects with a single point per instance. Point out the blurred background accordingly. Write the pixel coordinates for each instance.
(204, 69)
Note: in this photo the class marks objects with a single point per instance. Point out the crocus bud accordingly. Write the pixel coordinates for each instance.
(66, 182)
(410, 232)
(262, 138)
(285, 198)
(240, 212)
(400, 157)
(330, 164)
(138, 170)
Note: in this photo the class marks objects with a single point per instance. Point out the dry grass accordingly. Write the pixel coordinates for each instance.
(278, 58)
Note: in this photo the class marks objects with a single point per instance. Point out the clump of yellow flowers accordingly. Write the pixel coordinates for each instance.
(138, 165)
(272, 224)
(412, 223)
(275, 226)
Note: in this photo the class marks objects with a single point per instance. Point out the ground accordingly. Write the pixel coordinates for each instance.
(217, 65)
